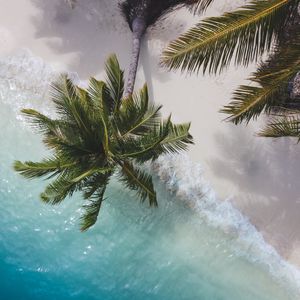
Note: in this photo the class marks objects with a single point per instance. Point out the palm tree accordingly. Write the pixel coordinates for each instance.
(96, 136)
(141, 14)
(243, 36)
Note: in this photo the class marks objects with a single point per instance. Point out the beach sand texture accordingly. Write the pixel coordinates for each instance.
(260, 176)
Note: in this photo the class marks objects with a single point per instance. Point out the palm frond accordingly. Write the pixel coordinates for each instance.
(244, 34)
(92, 171)
(272, 81)
(283, 127)
(178, 138)
(96, 91)
(148, 147)
(114, 80)
(62, 92)
(96, 199)
(69, 181)
(41, 122)
(92, 211)
(47, 166)
(59, 189)
(138, 181)
(94, 183)
(72, 105)
(166, 139)
(136, 116)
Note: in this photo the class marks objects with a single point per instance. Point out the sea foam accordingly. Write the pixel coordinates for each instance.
(186, 180)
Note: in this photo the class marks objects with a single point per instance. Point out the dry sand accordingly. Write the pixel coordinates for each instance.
(260, 176)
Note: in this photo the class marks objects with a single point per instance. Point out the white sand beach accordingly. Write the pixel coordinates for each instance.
(259, 176)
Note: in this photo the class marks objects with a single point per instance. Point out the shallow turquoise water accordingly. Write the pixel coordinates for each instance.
(133, 252)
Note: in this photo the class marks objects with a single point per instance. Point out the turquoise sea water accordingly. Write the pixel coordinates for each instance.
(191, 247)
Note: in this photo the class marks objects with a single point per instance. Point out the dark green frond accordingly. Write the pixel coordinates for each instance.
(136, 116)
(48, 166)
(96, 91)
(59, 189)
(63, 92)
(165, 138)
(149, 146)
(272, 81)
(178, 138)
(91, 172)
(92, 211)
(41, 122)
(138, 181)
(282, 127)
(115, 80)
(73, 105)
(57, 133)
(97, 188)
(243, 34)
(96, 182)
(70, 181)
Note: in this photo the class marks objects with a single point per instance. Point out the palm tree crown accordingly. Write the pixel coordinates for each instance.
(98, 135)
(262, 26)
(242, 35)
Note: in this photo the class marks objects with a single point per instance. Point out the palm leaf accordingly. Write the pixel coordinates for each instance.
(62, 93)
(58, 133)
(41, 122)
(272, 80)
(166, 138)
(59, 189)
(138, 181)
(136, 116)
(97, 93)
(283, 127)
(244, 34)
(91, 212)
(69, 181)
(48, 166)
(148, 147)
(115, 80)
(93, 208)
(178, 138)
(72, 105)
(95, 182)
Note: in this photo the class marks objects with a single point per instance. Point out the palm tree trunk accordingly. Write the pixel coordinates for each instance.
(138, 30)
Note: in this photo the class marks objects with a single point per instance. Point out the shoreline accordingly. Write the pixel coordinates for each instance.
(259, 176)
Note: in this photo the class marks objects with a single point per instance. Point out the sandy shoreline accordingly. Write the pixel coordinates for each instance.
(259, 176)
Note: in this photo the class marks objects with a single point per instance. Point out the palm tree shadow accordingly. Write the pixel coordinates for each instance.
(80, 31)
(266, 175)
(150, 66)
(166, 29)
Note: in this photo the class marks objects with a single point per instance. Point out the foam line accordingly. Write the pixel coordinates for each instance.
(186, 180)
